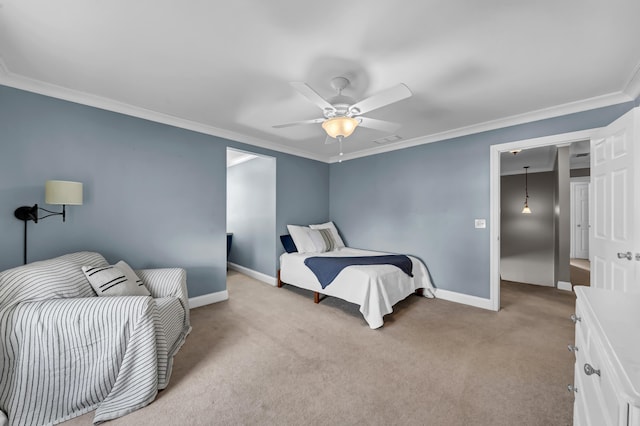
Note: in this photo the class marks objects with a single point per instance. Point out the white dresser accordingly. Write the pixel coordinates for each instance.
(607, 351)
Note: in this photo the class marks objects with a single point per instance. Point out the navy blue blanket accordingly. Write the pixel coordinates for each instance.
(328, 268)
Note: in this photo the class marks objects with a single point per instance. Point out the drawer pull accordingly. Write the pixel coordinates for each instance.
(572, 348)
(589, 370)
(575, 318)
(572, 388)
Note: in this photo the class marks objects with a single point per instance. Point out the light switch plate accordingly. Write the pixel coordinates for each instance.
(481, 223)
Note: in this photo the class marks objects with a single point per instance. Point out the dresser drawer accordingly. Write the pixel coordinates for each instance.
(608, 345)
(586, 409)
(588, 406)
(605, 383)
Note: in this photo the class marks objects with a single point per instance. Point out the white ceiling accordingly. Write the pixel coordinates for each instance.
(223, 68)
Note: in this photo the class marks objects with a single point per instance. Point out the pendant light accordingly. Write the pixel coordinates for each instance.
(526, 209)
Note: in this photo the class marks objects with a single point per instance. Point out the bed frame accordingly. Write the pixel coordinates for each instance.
(316, 295)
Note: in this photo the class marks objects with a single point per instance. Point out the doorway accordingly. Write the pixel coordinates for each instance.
(538, 247)
(528, 235)
(251, 214)
(562, 140)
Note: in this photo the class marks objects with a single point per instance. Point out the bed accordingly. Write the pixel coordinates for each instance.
(375, 288)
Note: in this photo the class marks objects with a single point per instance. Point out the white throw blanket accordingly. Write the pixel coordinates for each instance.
(375, 288)
(65, 352)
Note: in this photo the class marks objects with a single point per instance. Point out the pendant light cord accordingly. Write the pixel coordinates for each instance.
(526, 184)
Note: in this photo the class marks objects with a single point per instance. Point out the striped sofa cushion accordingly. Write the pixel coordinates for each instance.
(60, 277)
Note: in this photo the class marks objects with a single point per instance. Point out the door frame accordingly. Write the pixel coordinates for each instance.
(494, 195)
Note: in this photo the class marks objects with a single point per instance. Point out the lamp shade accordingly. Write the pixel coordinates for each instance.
(63, 192)
(340, 126)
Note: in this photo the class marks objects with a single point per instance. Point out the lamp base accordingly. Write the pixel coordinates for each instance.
(27, 213)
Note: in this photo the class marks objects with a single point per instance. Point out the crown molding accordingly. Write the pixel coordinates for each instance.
(7, 78)
(528, 117)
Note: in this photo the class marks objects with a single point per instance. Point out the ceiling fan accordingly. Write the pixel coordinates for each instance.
(342, 114)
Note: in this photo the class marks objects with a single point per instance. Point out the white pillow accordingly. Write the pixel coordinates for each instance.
(329, 225)
(115, 280)
(302, 238)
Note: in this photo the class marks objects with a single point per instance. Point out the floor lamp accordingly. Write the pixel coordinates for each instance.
(57, 192)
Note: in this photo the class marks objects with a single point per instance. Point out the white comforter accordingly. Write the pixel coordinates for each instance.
(375, 288)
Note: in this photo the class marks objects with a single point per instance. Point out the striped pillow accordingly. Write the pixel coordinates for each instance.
(327, 236)
(334, 232)
(317, 241)
(115, 280)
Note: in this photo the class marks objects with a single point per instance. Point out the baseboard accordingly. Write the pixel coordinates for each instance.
(219, 296)
(563, 285)
(465, 299)
(208, 299)
(253, 274)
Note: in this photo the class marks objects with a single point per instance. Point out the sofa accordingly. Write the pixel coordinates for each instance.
(65, 351)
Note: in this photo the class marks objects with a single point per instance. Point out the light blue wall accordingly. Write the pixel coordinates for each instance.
(251, 214)
(423, 200)
(155, 195)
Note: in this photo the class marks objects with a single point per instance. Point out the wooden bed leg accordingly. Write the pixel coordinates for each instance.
(420, 291)
(316, 297)
(279, 280)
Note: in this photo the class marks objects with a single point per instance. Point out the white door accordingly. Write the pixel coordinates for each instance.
(615, 239)
(580, 220)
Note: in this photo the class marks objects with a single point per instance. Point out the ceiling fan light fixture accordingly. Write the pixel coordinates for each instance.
(340, 126)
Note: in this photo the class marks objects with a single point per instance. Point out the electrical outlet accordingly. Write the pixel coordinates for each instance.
(481, 223)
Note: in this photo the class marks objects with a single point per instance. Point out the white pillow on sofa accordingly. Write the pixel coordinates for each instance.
(115, 280)
(334, 232)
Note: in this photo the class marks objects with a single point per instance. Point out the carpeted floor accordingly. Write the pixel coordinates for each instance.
(269, 356)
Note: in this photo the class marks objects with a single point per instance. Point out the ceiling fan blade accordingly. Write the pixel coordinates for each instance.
(329, 140)
(380, 99)
(312, 95)
(299, 123)
(384, 126)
